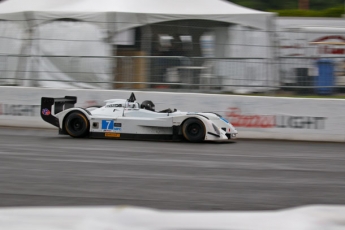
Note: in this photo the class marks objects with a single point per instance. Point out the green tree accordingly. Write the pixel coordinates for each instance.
(266, 5)
(329, 12)
(322, 4)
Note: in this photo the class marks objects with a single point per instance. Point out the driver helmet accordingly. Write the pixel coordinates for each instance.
(148, 105)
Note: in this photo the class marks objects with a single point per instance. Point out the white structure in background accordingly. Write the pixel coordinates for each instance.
(246, 55)
(125, 37)
(207, 43)
(75, 39)
(21, 36)
(112, 16)
(292, 37)
(11, 35)
(296, 51)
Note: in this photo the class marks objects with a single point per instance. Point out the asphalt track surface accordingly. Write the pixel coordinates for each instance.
(41, 168)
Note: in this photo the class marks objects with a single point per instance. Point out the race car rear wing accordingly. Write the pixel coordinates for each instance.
(60, 104)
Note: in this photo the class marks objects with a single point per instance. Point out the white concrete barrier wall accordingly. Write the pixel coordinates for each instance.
(254, 117)
(133, 218)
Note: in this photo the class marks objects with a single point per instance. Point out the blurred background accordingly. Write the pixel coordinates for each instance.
(289, 48)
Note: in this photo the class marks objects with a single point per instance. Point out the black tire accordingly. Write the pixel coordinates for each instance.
(194, 130)
(77, 124)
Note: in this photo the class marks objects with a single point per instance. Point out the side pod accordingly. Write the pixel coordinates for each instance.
(60, 104)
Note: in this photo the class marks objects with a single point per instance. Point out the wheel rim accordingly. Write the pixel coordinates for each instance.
(193, 129)
(77, 124)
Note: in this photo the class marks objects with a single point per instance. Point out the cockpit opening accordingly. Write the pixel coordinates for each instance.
(148, 105)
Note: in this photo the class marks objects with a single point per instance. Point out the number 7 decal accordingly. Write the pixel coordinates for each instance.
(109, 125)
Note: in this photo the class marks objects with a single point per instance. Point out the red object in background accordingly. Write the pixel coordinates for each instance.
(303, 4)
(250, 121)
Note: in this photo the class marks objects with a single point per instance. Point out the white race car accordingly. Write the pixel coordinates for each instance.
(128, 119)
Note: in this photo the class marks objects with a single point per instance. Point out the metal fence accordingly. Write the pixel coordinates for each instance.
(171, 73)
(300, 75)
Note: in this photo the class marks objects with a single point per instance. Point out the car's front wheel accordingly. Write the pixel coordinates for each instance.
(194, 130)
(77, 124)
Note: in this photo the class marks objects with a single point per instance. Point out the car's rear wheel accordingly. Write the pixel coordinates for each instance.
(77, 124)
(194, 130)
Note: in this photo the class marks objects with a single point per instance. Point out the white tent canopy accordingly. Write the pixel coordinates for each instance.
(112, 16)
(131, 13)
